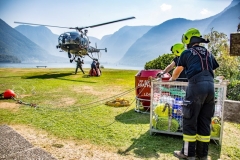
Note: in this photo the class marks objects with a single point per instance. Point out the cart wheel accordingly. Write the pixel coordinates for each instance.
(151, 133)
(136, 107)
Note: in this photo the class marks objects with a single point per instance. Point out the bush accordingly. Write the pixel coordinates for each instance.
(160, 63)
(233, 90)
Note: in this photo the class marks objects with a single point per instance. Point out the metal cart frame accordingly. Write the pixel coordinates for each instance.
(156, 85)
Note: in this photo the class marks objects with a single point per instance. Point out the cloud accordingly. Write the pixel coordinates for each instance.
(205, 11)
(164, 7)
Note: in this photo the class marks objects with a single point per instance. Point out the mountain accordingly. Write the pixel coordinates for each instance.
(159, 39)
(43, 37)
(14, 44)
(118, 43)
(47, 40)
(93, 41)
(227, 22)
(232, 4)
(130, 45)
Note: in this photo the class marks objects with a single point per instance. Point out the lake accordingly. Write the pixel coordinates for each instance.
(66, 65)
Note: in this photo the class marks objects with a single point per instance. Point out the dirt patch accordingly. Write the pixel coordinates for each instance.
(87, 89)
(66, 101)
(68, 149)
(9, 106)
(111, 91)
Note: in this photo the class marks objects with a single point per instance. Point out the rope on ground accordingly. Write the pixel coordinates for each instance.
(33, 105)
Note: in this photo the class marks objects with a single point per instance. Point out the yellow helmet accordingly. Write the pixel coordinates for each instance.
(193, 36)
(177, 49)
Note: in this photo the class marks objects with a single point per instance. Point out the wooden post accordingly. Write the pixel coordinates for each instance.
(235, 44)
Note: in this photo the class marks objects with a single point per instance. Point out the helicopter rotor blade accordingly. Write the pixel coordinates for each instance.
(101, 24)
(78, 28)
(41, 25)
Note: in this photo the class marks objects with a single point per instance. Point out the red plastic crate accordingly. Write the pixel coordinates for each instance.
(143, 85)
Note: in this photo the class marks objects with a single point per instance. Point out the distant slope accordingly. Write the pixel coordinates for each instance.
(93, 41)
(118, 43)
(159, 39)
(232, 4)
(47, 40)
(227, 22)
(13, 43)
(130, 45)
(43, 37)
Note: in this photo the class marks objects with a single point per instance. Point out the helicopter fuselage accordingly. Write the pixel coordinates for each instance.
(74, 43)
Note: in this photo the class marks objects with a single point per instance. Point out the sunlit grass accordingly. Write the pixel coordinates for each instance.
(72, 106)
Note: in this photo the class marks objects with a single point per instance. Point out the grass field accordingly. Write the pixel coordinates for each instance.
(73, 107)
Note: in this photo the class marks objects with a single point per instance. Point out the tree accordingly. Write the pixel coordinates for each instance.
(219, 47)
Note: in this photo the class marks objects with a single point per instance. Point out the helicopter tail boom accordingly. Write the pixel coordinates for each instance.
(95, 50)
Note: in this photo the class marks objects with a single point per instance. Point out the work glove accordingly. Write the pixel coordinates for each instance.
(160, 74)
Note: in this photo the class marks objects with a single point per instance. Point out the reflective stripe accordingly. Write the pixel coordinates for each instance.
(185, 148)
(203, 138)
(189, 138)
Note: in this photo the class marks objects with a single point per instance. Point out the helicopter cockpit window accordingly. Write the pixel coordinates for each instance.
(75, 37)
(84, 41)
(63, 38)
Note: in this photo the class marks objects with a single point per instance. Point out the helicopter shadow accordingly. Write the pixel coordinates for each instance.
(132, 117)
(55, 76)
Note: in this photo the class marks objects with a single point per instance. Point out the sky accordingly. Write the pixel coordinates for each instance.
(78, 13)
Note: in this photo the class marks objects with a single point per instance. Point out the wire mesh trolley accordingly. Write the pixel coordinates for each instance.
(143, 88)
(167, 99)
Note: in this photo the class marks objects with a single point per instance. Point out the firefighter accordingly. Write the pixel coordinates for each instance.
(98, 67)
(197, 114)
(94, 68)
(176, 49)
(79, 65)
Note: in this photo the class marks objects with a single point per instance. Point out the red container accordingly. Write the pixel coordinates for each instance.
(143, 85)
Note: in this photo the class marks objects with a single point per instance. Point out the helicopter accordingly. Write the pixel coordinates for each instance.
(77, 44)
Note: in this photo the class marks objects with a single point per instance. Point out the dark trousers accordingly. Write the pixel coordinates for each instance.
(80, 69)
(200, 92)
(94, 67)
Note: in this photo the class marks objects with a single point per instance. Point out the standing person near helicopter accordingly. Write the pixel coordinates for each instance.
(176, 49)
(94, 69)
(98, 67)
(79, 65)
(197, 114)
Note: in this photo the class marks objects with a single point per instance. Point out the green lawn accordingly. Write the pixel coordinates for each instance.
(72, 106)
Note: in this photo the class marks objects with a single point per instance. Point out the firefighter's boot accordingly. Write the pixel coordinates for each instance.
(180, 155)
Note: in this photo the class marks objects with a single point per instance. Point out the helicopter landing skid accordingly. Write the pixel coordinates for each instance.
(69, 55)
(71, 60)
